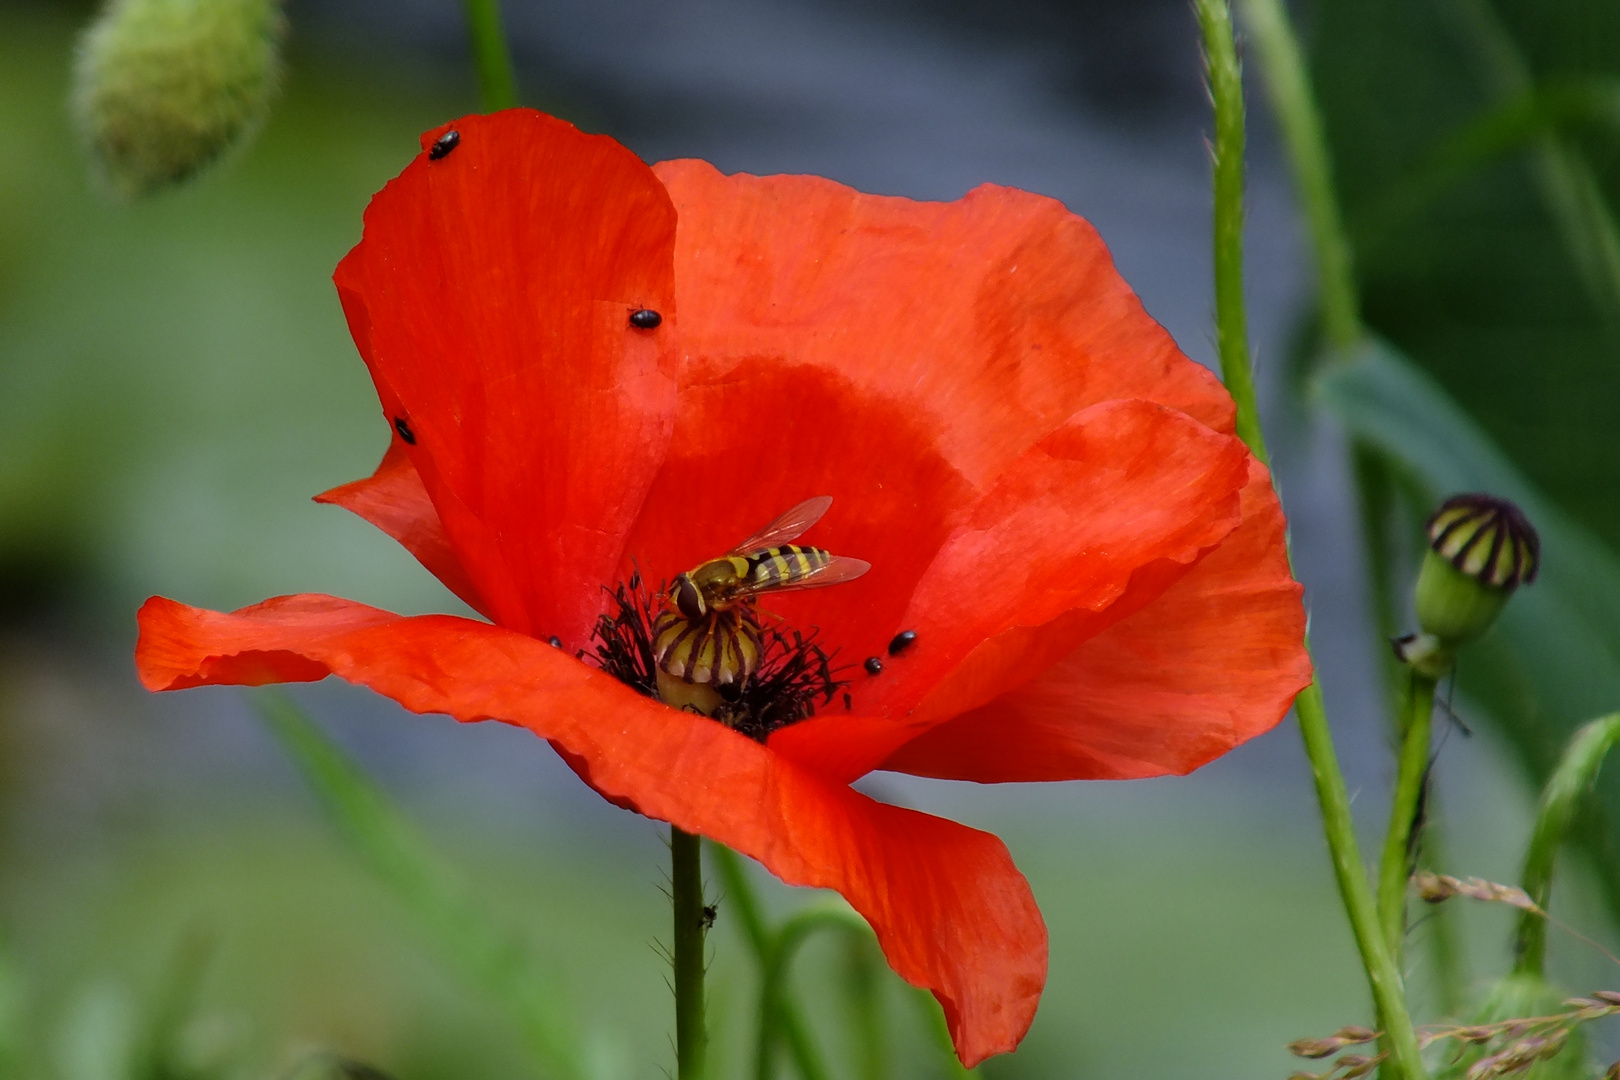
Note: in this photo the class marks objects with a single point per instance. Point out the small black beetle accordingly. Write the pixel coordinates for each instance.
(444, 144)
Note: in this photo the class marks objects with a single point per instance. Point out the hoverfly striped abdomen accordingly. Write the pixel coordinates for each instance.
(785, 565)
(721, 648)
(708, 632)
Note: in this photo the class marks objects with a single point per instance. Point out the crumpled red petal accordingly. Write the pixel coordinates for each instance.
(490, 298)
(950, 909)
(1212, 662)
(897, 355)
(1033, 569)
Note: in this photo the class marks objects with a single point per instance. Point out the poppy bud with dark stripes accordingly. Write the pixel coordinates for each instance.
(1481, 548)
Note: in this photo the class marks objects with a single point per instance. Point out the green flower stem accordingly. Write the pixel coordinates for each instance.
(1560, 800)
(1289, 88)
(1396, 866)
(1383, 976)
(1232, 320)
(686, 895)
(786, 1021)
(491, 56)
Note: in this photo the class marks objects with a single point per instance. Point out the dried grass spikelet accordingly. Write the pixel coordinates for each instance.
(1524, 1029)
(162, 88)
(1434, 888)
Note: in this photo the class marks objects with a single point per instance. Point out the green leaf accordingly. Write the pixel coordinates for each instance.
(493, 957)
(1552, 661)
(1563, 796)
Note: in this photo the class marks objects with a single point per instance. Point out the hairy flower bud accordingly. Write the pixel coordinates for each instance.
(1481, 548)
(164, 87)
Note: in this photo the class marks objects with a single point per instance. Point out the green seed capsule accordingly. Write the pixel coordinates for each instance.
(164, 87)
(1480, 549)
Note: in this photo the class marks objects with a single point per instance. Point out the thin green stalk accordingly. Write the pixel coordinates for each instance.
(1225, 76)
(1383, 976)
(742, 901)
(496, 82)
(1560, 800)
(686, 896)
(1395, 869)
(1289, 88)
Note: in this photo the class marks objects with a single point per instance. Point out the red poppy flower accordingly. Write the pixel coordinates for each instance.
(1049, 493)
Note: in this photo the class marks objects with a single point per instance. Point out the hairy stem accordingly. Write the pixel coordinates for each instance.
(1383, 976)
(686, 895)
(1396, 866)
(497, 84)
(1225, 77)
(1289, 87)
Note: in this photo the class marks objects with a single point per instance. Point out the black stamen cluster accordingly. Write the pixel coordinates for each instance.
(622, 640)
(795, 677)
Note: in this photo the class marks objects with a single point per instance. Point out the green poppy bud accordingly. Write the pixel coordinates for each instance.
(164, 87)
(1481, 548)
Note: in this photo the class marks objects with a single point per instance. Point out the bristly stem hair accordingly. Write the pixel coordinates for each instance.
(1226, 93)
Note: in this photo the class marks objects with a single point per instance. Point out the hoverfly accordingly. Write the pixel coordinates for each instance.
(708, 632)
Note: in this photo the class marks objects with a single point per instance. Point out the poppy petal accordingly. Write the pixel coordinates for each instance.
(895, 355)
(1212, 662)
(396, 501)
(950, 909)
(491, 298)
(1034, 568)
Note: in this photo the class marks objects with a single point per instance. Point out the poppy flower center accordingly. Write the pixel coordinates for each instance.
(774, 675)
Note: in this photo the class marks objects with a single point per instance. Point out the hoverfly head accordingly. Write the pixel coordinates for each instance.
(688, 598)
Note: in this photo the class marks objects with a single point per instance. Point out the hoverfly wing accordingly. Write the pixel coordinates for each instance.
(839, 569)
(786, 528)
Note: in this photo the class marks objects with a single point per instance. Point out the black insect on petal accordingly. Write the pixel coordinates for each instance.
(849, 703)
(554, 641)
(444, 144)
(404, 430)
(902, 641)
(873, 666)
(645, 319)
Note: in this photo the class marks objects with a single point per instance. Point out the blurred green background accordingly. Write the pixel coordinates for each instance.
(176, 381)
